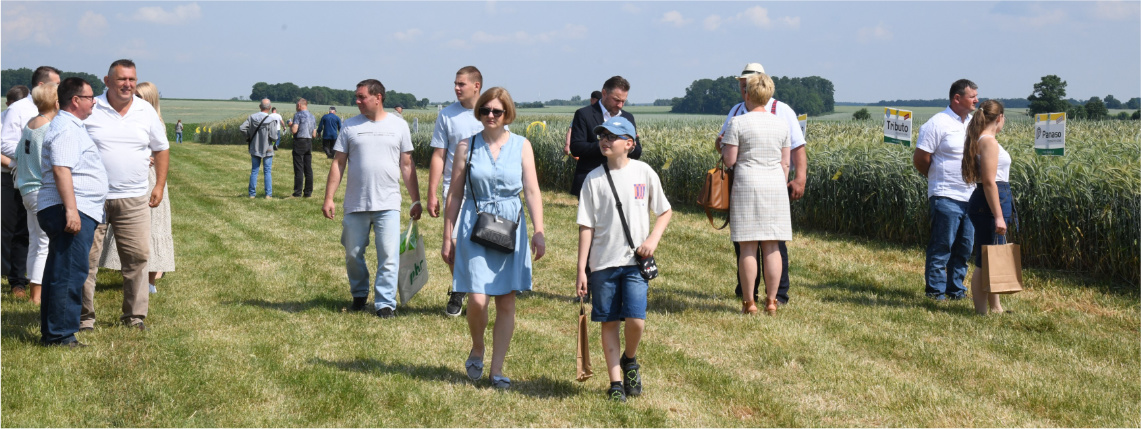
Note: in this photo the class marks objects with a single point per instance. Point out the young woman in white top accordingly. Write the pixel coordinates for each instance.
(991, 206)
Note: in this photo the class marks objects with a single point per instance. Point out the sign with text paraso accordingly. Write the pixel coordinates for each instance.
(803, 119)
(1050, 134)
(897, 126)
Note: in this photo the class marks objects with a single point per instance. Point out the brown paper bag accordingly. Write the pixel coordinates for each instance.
(1002, 268)
(583, 356)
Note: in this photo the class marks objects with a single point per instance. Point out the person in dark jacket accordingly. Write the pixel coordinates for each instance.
(584, 144)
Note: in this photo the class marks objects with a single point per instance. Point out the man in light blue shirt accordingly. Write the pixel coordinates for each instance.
(74, 190)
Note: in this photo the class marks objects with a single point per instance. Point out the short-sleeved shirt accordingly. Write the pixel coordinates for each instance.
(68, 144)
(15, 118)
(305, 124)
(784, 112)
(178, 127)
(453, 124)
(640, 190)
(373, 167)
(943, 136)
(126, 144)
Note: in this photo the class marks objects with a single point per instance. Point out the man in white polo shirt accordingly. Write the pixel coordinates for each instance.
(799, 164)
(939, 157)
(128, 132)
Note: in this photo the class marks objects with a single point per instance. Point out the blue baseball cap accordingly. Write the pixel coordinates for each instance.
(618, 126)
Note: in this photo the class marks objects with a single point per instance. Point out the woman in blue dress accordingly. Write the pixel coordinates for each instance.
(502, 165)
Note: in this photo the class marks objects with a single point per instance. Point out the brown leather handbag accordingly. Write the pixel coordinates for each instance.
(715, 192)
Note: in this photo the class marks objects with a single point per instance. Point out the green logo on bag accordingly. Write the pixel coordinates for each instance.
(416, 270)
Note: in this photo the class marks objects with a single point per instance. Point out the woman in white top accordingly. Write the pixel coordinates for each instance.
(991, 206)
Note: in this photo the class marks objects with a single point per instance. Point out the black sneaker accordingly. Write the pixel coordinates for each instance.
(359, 304)
(631, 375)
(455, 304)
(385, 313)
(138, 325)
(615, 393)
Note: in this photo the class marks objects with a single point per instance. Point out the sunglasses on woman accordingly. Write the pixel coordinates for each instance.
(487, 111)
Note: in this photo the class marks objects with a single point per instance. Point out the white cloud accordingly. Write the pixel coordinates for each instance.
(712, 22)
(758, 16)
(878, 33)
(92, 24)
(21, 24)
(631, 8)
(157, 15)
(675, 18)
(791, 21)
(409, 35)
(1117, 10)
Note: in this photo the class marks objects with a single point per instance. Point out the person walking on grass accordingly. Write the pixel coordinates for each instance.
(991, 207)
(798, 161)
(376, 147)
(259, 129)
(328, 128)
(128, 132)
(304, 131)
(584, 145)
(939, 157)
(274, 116)
(454, 123)
(178, 131)
(628, 188)
(491, 169)
(71, 205)
(756, 147)
(29, 180)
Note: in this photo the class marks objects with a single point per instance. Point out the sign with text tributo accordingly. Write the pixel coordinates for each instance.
(803, 119)
(1050, 134)
(897, 126)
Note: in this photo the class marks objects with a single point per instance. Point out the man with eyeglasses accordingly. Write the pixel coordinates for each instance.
(15, 217)
(584, 144)
(454, 123)
(128, 132)
(72, 197)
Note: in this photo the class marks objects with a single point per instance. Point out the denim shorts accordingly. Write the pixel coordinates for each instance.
(983, 219)
(618, 293)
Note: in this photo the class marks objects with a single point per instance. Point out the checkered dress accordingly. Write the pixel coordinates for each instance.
(758, 205)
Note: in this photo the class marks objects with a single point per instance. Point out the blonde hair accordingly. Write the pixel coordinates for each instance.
(45, 97)
(498, 93)
(759, 89)
(987, 114)
(149, 92)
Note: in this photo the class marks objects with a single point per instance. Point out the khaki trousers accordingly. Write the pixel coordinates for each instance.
(131, 219)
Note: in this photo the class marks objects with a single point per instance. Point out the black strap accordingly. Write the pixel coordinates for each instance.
(467, 176)
(250, 138)
(618, 201)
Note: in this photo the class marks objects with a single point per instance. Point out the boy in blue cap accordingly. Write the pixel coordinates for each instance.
(620, 187)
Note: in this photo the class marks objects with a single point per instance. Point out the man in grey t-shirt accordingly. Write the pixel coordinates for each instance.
(377, 147)
(304, 129)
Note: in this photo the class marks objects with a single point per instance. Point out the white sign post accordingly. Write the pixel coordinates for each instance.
(803, 119)
(897, 126)
(1050, 134)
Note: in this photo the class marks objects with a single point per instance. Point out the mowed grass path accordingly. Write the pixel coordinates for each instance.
(251, 331)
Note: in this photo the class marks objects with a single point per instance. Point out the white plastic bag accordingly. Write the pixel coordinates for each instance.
(413, 264)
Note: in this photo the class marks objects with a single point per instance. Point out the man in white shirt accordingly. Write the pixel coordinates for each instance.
(939, 157)
(377, 147)
(15, 217)
(799, 164)
(454, 123)
(128, 132)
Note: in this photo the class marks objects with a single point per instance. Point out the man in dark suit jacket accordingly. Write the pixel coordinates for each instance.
(584, 144)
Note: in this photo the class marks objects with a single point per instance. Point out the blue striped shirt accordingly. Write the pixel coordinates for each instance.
(67, 144)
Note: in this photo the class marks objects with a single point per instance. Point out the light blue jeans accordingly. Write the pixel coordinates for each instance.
(386, 226)
(257, 162)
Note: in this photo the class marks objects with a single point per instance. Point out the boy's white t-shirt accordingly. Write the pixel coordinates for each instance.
(640, 190)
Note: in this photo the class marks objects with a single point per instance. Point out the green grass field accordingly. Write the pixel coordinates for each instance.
(251, 331)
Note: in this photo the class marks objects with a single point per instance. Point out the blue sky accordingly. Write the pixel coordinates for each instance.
(544, 50)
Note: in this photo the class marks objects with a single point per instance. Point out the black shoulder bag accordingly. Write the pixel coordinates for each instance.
(491, 230)
(646, 266)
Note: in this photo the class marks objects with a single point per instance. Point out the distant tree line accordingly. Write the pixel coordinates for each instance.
(23, 76)
(812, 95)
(288, 93)
(1010, 103)
(1049, 97)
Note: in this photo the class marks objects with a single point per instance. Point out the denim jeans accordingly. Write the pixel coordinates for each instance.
(178, 137)
(386, 226)
(952, 234)
(257, 162)
(618, 293)
(64, 274)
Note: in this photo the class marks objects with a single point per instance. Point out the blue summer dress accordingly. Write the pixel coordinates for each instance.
(497, 183)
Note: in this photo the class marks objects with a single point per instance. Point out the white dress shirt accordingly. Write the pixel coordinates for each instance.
(943, 136)
(15, 118)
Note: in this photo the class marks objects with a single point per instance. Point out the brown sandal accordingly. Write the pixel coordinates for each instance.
(749, 307)
(771, 307)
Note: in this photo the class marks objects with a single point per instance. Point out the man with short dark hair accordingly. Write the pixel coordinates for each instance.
(328, 128)
(15, 216)
(584, 144)
(16, 93)
(302, 126)
(594, 97)
(377, 147)
(259, 129)
(399, 111)
(128, 132)
(939, 157)
(72, 200)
